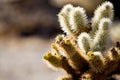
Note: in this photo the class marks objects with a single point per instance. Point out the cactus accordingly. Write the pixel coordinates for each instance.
(82, 52)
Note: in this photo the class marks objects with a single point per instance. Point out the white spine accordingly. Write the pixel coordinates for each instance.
(103, 11)
(64, 19)
(78, 19)
(100, 38)
(84, 42)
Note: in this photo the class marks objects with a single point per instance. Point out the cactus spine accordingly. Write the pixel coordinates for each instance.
(80, 52)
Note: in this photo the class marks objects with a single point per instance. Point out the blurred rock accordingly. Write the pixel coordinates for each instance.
(25, 16)
(38, 17)
(115, 31)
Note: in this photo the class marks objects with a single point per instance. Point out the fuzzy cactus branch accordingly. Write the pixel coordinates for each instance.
(76, 59)
(96, 60)
(67, 77)
(83, 51)
(78, 19)
(101, 36)
(84, 42)
(64, 19)
(103, 11)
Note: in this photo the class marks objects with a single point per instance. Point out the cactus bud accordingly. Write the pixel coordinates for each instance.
(96, 60)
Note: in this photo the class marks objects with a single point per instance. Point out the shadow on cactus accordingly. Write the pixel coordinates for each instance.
(83, 52)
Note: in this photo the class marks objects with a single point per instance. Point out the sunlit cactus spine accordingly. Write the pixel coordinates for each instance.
(78, 19)
(103, 11)
(84, 42)
(82, 51)
(101, 36)
(64, 19)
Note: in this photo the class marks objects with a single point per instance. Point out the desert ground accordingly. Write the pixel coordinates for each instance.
(21, 59)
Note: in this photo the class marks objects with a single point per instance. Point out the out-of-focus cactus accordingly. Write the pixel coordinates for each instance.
(80, 52)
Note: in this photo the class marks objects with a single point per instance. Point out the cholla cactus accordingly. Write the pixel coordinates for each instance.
(80, 52)
(104, 11)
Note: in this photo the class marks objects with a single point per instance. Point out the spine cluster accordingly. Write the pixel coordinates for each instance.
(80, 52)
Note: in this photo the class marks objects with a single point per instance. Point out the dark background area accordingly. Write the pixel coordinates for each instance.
(39, 17)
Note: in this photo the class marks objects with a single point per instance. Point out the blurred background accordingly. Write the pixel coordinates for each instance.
(27, 28)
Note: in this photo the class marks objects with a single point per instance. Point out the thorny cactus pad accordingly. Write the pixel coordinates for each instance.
(82, 52)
